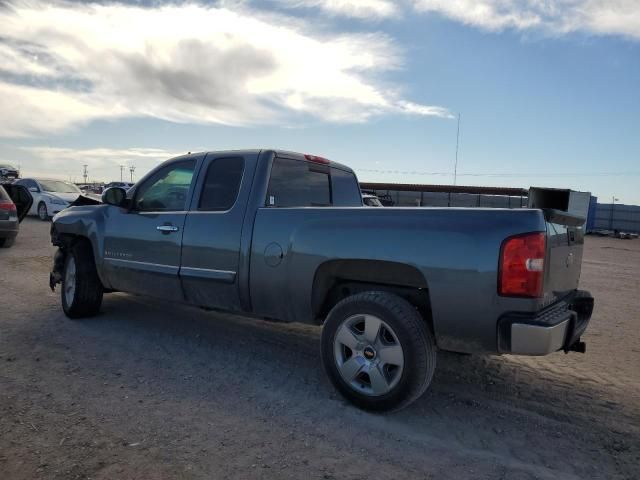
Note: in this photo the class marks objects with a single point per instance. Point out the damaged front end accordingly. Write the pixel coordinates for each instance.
(56, 274)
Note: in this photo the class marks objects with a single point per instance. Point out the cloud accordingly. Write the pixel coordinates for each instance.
(102, 163)
(601, 17)
(361, 9)
(558, 17)
(65, 64)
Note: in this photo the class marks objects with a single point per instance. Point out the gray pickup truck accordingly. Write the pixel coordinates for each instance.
(281, 235)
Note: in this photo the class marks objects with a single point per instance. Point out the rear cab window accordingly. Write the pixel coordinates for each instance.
(298, 183)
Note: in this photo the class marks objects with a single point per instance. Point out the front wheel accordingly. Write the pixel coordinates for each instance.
(43, 214)
(378, 351)
(81, 291)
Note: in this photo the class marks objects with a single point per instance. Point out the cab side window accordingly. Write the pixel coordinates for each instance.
(296, 183)
(166, 190)
(221, 185)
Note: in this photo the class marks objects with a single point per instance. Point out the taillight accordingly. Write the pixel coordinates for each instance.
(317, 159)
(522, 266)
(8, 205)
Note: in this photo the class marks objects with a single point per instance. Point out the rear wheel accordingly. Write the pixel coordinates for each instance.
(6, 242)
(43, 214)
(81, 291)
(377, 351)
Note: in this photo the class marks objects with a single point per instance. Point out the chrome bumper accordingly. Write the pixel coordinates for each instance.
(537, 339)
(557, 327)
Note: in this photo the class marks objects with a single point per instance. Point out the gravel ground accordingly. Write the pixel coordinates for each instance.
(151, 390)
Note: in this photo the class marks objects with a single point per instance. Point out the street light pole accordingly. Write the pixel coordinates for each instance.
(455, 166)
(613, 204)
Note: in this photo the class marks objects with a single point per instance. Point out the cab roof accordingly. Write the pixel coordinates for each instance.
(279, 153)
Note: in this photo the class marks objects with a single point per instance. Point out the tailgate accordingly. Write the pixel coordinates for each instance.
(565, 242)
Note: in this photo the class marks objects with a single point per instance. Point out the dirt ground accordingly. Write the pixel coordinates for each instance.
(151, 390)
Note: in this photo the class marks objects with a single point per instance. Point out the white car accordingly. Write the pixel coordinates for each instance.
(125, 185)
(371, 200)
(49, 196)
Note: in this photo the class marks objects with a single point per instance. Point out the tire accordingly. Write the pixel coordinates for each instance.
(6, 242)
(42, 212)
(81, 291)
(375, 375)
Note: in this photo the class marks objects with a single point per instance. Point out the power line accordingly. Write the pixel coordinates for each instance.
(514, 175)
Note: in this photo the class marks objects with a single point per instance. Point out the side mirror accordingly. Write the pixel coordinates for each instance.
(34, 189)
(114, 196)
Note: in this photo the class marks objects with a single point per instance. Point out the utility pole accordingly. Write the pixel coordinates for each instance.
(613, 203)
(455, 167)
(121, 170)
(84, 173)
(132, 169)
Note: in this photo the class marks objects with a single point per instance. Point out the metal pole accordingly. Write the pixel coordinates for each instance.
(613, 202)
(455, 167)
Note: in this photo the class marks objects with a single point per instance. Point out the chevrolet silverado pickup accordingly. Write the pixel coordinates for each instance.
(282, 235)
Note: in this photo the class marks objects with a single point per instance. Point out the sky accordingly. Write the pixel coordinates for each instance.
(547, 91)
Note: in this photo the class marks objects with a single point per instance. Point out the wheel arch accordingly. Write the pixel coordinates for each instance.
(65, 241)
(335, 280)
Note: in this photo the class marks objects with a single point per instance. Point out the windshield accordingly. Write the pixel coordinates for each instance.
(58, 186)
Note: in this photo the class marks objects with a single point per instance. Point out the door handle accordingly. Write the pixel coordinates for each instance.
(167, 228)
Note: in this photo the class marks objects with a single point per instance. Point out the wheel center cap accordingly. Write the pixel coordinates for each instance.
(369, 353)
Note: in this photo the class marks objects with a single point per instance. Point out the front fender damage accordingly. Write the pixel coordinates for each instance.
(55, 276)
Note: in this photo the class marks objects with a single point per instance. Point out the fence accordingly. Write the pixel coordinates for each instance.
(625, 218)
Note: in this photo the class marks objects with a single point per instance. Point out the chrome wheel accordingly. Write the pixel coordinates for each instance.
(42, 212)
(70, 281)
(368, 354)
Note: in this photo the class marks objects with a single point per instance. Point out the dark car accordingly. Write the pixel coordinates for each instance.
(15, 201)
(8, 172)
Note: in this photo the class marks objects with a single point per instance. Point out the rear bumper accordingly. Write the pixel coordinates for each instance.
(8, 228)
(557, 327)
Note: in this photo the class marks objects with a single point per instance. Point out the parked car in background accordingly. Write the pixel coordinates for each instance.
(8, 172)
(49, 196)
(15, 201)
(285, 236)
(371, 200)
(125, 185)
